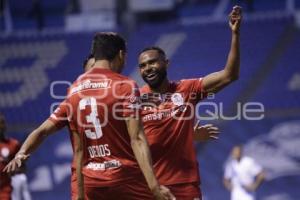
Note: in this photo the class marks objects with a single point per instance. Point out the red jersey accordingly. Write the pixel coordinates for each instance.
(60, 119)
(59, 116)
(100, 100)
(8, 149)
(168, 121)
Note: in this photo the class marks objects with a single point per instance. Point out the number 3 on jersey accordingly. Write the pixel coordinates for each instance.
(91, 118)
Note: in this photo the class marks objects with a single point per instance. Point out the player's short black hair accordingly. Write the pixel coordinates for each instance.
(106, 45)
(87, 60)
(156, 48)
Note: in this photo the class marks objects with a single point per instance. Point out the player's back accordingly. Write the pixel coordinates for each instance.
(99, 101)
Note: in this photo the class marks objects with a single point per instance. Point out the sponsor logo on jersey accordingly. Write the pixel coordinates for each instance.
(88, 84)
(112, 164)
(177, 99)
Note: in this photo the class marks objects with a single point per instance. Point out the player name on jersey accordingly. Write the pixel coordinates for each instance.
(99, 151)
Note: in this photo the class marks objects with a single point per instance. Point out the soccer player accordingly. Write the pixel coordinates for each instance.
(102, 109)
(168, 113)
(242, 175)
(8, 148)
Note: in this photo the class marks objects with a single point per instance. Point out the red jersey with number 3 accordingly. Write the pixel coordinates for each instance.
(100, 100)
(168, 121)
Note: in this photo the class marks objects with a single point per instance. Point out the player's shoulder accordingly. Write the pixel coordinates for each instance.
(123, 77)
(182, 85)
(189, 81)
(123, 84)
(248, 160)
(13, 141)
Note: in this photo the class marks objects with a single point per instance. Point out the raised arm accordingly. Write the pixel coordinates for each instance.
(32, 142)
(141, 151)
(216, 81)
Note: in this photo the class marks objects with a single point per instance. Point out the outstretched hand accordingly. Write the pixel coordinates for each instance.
(235, 18)
(206, 132)
(15, 163)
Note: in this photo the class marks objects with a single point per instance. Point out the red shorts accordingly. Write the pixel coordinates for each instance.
(74, 190)
(73, 185)
(136, 189)
(186, 191)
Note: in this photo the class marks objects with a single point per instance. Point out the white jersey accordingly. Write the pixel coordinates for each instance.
(241, 174)
(20, 187)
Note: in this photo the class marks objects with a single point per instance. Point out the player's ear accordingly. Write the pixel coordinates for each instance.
(167, 63)
(122, 54)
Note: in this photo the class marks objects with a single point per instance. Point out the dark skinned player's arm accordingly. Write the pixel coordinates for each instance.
(216, 81)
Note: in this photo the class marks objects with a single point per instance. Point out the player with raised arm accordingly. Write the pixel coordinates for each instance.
(168, 113)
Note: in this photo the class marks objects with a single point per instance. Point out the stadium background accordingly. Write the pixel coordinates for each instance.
(44, 42)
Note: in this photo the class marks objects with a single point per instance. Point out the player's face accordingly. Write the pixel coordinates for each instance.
(153, 68)
(2, 126)
(237, 152)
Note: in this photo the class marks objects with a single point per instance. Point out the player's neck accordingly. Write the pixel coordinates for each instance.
(163, 88)
(104, 64)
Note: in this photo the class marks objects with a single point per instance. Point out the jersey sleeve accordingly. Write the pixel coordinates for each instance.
(59, 116)
(195, 88)
(131, 101)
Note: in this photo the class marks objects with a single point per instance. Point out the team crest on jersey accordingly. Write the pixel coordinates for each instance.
(177, 99)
